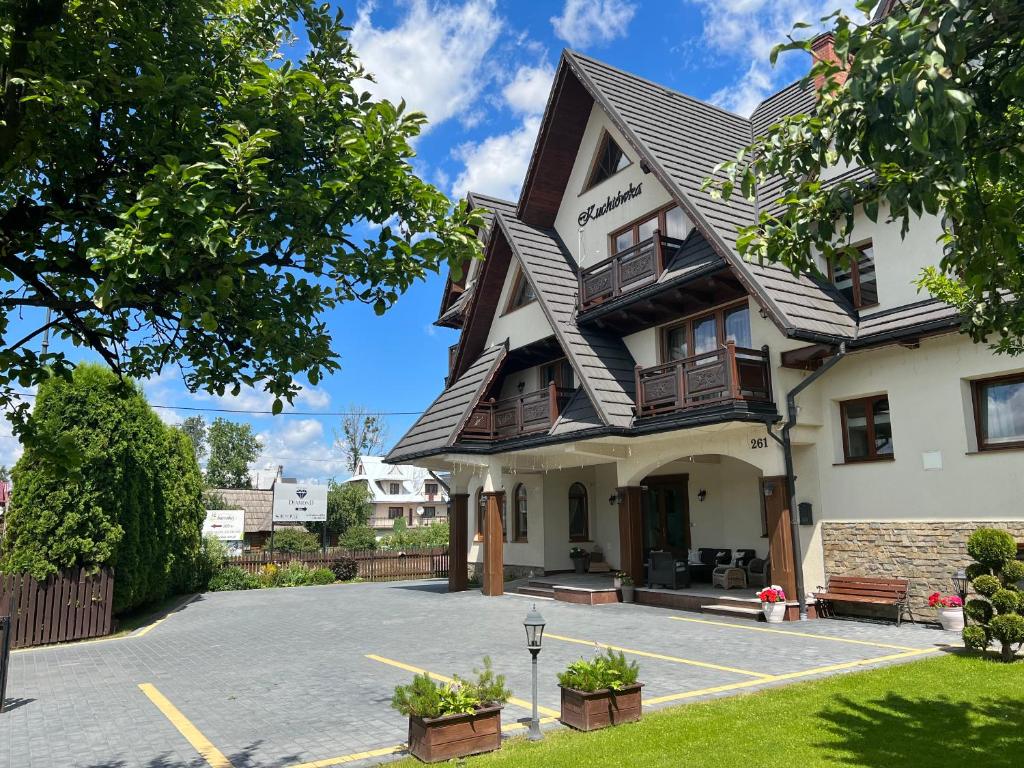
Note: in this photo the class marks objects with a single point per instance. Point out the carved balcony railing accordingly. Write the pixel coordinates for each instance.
(626, 271)
(514, 416)
(727, 374)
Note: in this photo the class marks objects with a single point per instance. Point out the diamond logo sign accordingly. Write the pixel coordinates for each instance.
(294, 503)
(301, 493)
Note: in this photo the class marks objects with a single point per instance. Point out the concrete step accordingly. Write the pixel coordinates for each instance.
(718, 609)
(734, 602)
(537, 591)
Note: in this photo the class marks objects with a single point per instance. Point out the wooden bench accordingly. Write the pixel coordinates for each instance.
(863, 589)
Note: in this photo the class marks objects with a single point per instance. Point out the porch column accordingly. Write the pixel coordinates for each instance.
(458, 543)
(494, 561)
(631, 534)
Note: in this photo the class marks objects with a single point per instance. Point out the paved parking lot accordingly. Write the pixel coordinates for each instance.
(301, 676)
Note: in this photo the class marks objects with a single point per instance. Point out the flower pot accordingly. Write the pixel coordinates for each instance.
(433, 740)
(627, 593)
(590, 711)
(774, 613)
(580, 564)
(617, 582)
(952, 619)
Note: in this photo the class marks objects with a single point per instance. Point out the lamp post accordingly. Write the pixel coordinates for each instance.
(534, 625)
(960, 584)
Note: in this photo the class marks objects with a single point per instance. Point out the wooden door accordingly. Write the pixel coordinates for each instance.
(666, 510)
(780, 534)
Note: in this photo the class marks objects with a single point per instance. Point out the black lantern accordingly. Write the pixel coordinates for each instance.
(960, 584)
(534, 625)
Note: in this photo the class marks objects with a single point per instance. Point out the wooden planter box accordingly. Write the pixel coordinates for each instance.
(435, 739)
(590, 711)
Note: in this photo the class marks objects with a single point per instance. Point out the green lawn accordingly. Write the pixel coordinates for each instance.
(949, 711)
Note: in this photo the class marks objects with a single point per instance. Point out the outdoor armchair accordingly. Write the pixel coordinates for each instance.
(663, 568)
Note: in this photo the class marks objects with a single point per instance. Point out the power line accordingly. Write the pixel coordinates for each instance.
(267, 413)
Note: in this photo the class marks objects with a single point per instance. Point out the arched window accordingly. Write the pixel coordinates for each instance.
(520, 519)
(579, 518)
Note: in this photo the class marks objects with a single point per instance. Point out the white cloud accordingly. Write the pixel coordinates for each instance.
(584, 22)
(496, 166)
(527, 93)
(744, 32)
(302, 447)
(432, 58)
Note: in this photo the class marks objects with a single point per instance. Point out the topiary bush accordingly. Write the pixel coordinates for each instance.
(345, 569)
(994, 576)
(295, 540)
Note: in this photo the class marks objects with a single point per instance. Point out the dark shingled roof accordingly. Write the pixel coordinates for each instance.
(440, 424)
(685, 138)
(927, 314)
(603, 364)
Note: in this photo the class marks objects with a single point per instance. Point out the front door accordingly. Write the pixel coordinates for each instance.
(666, 513)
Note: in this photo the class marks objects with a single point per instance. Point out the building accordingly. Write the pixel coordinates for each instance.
(624, 380)
(402, 491)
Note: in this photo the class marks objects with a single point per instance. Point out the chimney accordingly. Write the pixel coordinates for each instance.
(823, 48)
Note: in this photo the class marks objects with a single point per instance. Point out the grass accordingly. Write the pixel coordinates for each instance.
(950, 711)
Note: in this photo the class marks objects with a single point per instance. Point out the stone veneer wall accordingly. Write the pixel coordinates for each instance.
(475, 572)
(927, 553)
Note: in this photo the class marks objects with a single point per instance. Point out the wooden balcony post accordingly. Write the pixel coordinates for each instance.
(631, 535)
(552, 401)
(768, 394)
(734, 373)
(659, 255)
(458, 545)
(682, 396)
(494, 565)
(639, 392)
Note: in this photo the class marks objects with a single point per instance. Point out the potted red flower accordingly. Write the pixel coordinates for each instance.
(950, 609)
(456, 719)
(773, 604)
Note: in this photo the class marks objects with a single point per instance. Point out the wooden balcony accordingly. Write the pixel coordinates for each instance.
(627, 271)
(515, 416)
(727, 375)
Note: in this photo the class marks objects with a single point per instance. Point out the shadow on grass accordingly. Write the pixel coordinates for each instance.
(895, 730)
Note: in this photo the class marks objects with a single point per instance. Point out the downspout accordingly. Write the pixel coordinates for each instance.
(787, 451)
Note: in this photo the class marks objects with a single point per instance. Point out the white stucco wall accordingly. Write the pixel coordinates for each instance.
(595, 234)
(520, 326)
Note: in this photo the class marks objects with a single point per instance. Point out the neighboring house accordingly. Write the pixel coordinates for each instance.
(622, 375)
(418, 496)
(258, 504)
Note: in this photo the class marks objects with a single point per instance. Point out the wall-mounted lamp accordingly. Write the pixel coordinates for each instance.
(644, 166)
(617, 498)
(521, 386)
(769, 489)
(612, 499)
(764, 313)
(702, 494)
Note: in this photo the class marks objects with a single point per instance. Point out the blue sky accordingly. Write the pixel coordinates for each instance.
(481, 70)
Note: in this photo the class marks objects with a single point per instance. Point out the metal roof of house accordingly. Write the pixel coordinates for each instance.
(439, 425)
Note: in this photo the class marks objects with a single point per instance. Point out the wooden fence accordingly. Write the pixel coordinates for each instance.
(374, 565)
(71, 605)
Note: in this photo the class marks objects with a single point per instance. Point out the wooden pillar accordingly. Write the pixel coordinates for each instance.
(780, 536)
(631, 533)
(494, 560)
(458, 543)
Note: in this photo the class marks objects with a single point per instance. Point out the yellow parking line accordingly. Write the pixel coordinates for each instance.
(442, 679)
(791, 675)
(662, 657)
(795, 634)
(213, 756)
(382, 752)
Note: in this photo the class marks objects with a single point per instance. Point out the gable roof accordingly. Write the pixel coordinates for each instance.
(602, 363)
(440, 424)
(682, 139)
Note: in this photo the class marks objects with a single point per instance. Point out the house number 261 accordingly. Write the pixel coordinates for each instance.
(758, 442)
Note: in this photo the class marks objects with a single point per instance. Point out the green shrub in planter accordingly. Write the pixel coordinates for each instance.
(994, 576)
(345, 569)
(608, 671)
(233, 577)
(295, 575)
(425, 698)
(323, 576)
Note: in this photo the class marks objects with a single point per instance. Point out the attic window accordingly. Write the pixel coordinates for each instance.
(522, 292)
(608, 161)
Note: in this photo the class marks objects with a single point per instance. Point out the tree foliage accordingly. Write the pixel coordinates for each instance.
(359, 537)
(195, 428)
(362, 434)
(175, 190)
(295, 539)
(933, 106)
(133, 503)
(348, 505)
(233, 447)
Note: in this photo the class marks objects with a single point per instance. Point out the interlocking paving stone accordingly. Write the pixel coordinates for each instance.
(278, 677)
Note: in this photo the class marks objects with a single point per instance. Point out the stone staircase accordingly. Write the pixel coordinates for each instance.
(538, 589)
(734, 607)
